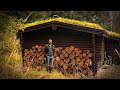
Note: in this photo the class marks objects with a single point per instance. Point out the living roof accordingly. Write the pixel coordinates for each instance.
(74, 22)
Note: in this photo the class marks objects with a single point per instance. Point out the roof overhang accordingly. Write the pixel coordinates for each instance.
(69, 26)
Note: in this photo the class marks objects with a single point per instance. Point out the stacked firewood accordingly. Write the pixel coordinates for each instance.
(34, 57)
(69, 60)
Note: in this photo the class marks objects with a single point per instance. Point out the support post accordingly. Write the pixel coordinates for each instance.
(93, 44)
(102, 51)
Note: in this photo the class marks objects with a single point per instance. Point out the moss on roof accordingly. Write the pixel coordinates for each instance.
(74, 22)
(113, 33)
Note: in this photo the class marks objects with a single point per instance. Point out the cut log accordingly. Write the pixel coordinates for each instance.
(55, 55)
(69, 70)
(83, 59)
(28, 56)
(72, 48)
(80, 51)
(59, 52)
(61, 62)
(43, 61)
(81, 63)
(77, 67)
(66, 55)
(74, 70)
(65, 66)
(35, 54)
(88, 62)
(39, 58)
(81, 69)
(71, 56)
(67, 49)
(41, 53)
(77, 53)
(25, 54)
(77, 63)
(63, 51)
(31, 59)
(55, 64)
(62, 70)
(87, 51)
(84, 76)
(24, 63)
(90, 74)
(88, 69)
(72, 62)
(60, 48)
(84, 66)
(77, 59)
(42, 56)
(90, 54)
(36, 46)
(87, 57)
(38, 54)
(66, 60)
(62, 56)
(33, 49)
(80, 56)
(30, 52)
(57, 58)
(76, 50)
(84, 72)
(26, 50)
(39, 49)
(25, 57)
(29, 64)
(56, 49)
(84, 54)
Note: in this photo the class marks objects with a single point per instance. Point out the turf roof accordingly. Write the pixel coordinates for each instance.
(74, 22)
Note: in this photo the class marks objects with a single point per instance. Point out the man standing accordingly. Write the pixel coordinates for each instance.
(49, 54)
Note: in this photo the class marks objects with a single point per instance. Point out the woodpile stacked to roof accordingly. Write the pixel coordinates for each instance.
(68, 60)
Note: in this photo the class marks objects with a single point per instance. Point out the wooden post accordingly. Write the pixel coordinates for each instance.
(93, 44)
(119, 42)
(102, 51)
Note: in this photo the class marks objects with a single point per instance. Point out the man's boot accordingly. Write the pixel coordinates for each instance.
(47, 68)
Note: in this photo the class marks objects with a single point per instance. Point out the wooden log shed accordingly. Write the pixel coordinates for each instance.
(66, 32)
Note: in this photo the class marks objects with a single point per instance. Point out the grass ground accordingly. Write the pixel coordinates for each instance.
(12, 69)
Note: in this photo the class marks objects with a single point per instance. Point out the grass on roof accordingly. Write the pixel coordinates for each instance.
(74, 22)
(113, 33)
(65, 20)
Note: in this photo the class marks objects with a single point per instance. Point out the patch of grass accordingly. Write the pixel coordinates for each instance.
(14, 70)
(43, 74)
(65, 20)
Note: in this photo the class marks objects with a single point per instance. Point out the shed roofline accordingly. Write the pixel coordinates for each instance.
(69, 26)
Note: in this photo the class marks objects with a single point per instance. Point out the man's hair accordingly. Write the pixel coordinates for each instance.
(49, 39)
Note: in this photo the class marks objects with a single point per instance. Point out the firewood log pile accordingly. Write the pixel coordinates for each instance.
(68, 60)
